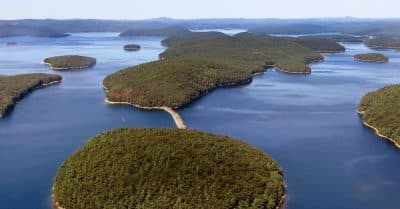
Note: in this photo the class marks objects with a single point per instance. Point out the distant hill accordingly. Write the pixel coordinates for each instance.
(17, 30)
(155, 31)
(262, 26)
(384, 42)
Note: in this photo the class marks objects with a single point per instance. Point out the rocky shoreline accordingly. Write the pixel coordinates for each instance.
(378, 132)
(10, 107)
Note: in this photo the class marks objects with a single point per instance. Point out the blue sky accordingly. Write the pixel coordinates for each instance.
(135, 9)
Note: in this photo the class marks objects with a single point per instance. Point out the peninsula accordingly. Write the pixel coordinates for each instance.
(14, 88)
(70, 62)
(320, 44)
(380, 111)
(193, 65)
(371, 57)
(11, 30)
(384, 42)
(167, 168)
(132, 47)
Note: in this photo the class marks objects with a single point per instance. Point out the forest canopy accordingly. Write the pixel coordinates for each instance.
(381, 109)
(13, 88)
(168, 168)
(371, 57)
(191, 67)
(69, 62)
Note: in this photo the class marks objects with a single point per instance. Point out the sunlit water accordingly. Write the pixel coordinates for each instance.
(228, 31)
(306, 122)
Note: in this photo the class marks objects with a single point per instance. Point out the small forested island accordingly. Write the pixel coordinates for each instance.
(167, 168)
(14, 88)
(371, 57)
(70, 62)
(384, 42)
(380, 111)
(132, 47)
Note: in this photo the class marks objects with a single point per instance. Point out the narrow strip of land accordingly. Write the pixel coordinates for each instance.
(175, 115)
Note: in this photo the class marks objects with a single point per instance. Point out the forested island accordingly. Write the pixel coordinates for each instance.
(384, 42)
(14, 88)
(70, 62)
(371, 57)
(192, 67)
(132, 47)
(167, 168)
(380, 111)
(18, 30)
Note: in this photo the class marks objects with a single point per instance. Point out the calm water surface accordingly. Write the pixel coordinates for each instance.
(307, 122)
(310, 125)
(48, 125)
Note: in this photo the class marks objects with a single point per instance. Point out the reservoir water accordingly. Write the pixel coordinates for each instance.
(308, 123)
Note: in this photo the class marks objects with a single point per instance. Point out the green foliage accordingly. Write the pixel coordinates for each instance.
(170, 82)
(381, 109)
(182, 37)
(384, 42)
(247, 52)
(196, 64)
(168, 169)
(371, 57)
(320, 44)
(67, 62)
(13, 88)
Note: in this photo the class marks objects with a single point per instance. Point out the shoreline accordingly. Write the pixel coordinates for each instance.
(377, 131)
(373, 61)
(382, 47)
(66, 68)
(288, 72)
(179, 122)
(54, 202)
(10, 107)
(281, 204)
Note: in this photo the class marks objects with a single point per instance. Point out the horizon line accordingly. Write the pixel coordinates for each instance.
(207, 18)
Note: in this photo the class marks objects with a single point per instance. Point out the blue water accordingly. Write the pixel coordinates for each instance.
(48, 125)
(310, 125)
(306, 122)
(228, 31)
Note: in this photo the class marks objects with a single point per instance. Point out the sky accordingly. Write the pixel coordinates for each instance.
(192, 9)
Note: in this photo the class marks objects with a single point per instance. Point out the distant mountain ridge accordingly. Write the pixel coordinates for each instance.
(56, 28)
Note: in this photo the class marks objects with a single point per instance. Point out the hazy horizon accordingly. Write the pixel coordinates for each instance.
(206, 9)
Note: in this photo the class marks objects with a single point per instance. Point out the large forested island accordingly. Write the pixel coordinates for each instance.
(9, 30)
(167, 168)
(13, 88)
(380, 111)
(384, 42)
(371, 57)
(191, 67)
(70, 62)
